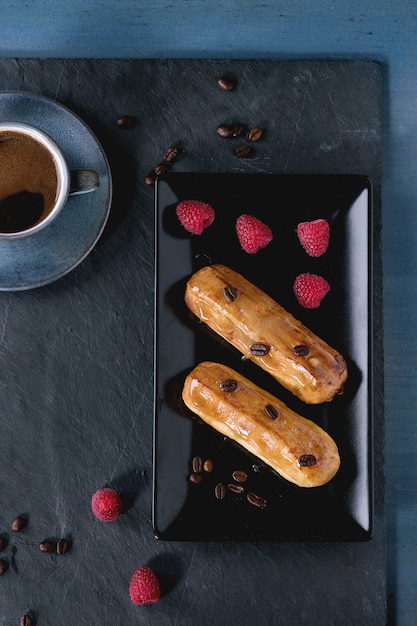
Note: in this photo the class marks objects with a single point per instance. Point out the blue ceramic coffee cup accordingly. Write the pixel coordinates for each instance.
(35, 181)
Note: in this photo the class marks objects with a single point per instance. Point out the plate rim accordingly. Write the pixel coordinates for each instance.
(365, 534)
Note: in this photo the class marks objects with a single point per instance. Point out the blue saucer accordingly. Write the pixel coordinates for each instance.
(43, 258)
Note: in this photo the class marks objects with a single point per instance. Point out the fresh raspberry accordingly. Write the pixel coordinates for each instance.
(253, 234)
(107, 504)
(310, 289)
(144, 586)
(194, 215)
(314, 236)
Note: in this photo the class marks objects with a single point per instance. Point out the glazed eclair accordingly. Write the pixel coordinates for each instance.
(295, 447)
(263, 331)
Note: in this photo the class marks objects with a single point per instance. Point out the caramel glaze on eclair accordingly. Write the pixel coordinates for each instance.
(295, 447)
(266, 333)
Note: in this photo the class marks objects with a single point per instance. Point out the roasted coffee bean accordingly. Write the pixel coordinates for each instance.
(243, 150)
(47, 546)
(208, 466)
(220, 491)
(25, 620)
(170, 154)
(271, 411)
(230, 293)
(301, 350)
(3, 567)
(307, 460)
(255, 133)
(256, 500)
(237, 130)
(228, 385)
(236, 488)
(240, 476)
(161, 168)
(126, 121)
(150, 178)
(62, 546)
(226, 83)
(197, 464)
(195, 478)
(224, 131)
(259, 349)
(18, 524)
(3, 543)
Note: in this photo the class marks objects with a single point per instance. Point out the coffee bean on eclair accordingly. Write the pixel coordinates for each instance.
(301, 350)
(259, 349)
(230, 293)
(228, 385)
(271, 411)
(307, 460)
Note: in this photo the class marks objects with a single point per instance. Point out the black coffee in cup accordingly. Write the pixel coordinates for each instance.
(28, 181)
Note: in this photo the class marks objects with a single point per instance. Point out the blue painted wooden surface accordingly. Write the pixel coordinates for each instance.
(280, 29)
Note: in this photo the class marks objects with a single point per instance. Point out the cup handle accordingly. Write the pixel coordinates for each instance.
(83, 181)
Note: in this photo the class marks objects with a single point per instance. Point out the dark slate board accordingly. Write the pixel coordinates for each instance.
(77, 356)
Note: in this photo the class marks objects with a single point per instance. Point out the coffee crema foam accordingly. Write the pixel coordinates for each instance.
(28, 182)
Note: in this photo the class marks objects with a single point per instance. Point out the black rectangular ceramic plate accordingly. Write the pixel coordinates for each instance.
(340, 510)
